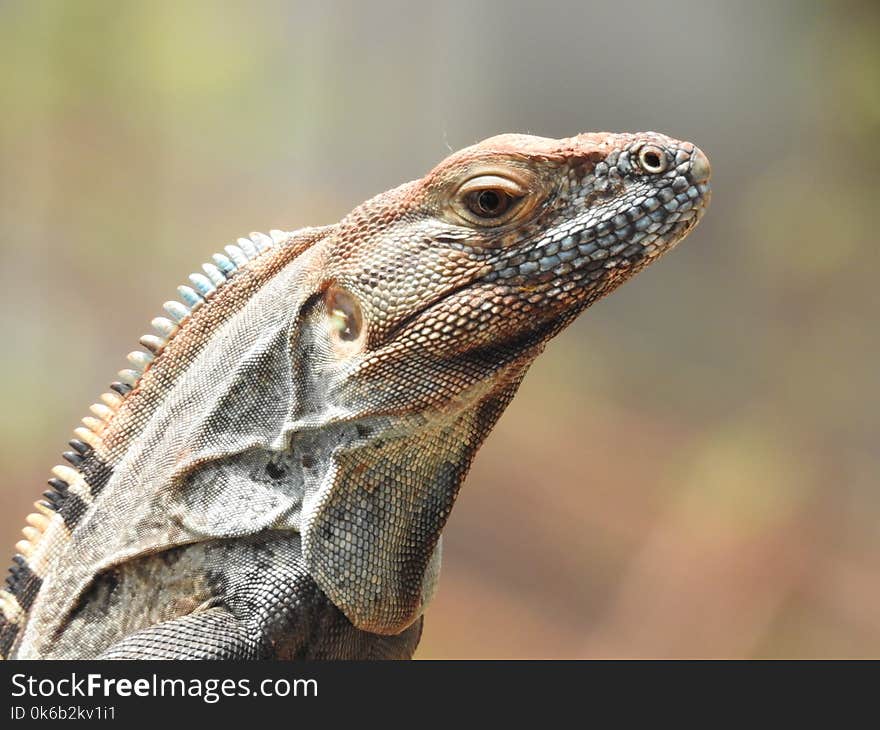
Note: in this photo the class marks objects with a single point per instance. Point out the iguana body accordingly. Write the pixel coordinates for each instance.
(271, 477)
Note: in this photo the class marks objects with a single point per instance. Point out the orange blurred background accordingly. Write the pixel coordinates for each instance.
(691, 470)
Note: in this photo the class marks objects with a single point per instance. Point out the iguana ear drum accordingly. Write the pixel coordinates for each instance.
(344, 311)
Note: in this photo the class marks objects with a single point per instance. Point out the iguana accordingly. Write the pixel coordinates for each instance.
(271, 476)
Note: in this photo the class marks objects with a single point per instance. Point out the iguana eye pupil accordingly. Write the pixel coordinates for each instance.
(344, 312)
(489, 203)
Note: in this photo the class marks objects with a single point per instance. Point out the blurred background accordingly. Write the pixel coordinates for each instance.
(691, 470)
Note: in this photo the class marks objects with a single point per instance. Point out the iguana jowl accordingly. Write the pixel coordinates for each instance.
(271, 477)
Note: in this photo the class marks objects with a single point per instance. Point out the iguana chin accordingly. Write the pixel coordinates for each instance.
(271, 476)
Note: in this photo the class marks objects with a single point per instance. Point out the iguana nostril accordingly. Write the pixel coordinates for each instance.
(701, 170)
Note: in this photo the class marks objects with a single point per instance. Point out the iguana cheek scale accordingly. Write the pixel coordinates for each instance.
(270, 476)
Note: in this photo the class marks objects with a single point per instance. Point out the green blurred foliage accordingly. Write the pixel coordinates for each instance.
(691, 470)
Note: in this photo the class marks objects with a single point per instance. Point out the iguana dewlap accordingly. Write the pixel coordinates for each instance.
(271, 476)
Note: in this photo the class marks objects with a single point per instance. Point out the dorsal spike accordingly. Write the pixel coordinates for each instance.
(121, 388)
(177, 311)
(214, 274)
(43, 508)
(95, 425)
(129, 377)
(111, 400)
(261, 240)
(87, 435)
(80, 447)
(152, 343)
(164, 326)
(203, 285)
(72, 457)
(25, 547)
(248, 247)
(139, 359)
(237, 255)
(53, 498)
(41, 522)
(101, 411)
(224, 264)
(65, 473)
(190, 297)
(59, 485)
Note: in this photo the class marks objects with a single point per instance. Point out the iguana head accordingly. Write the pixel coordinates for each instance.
(437, 295)
(511, 235)
(337, 382)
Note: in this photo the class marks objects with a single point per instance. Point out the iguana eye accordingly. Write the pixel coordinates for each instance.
(346, 319)
(489, 200)
(489, 203)
(652, 159)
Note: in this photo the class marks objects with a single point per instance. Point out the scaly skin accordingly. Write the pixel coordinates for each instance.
(272, 478)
